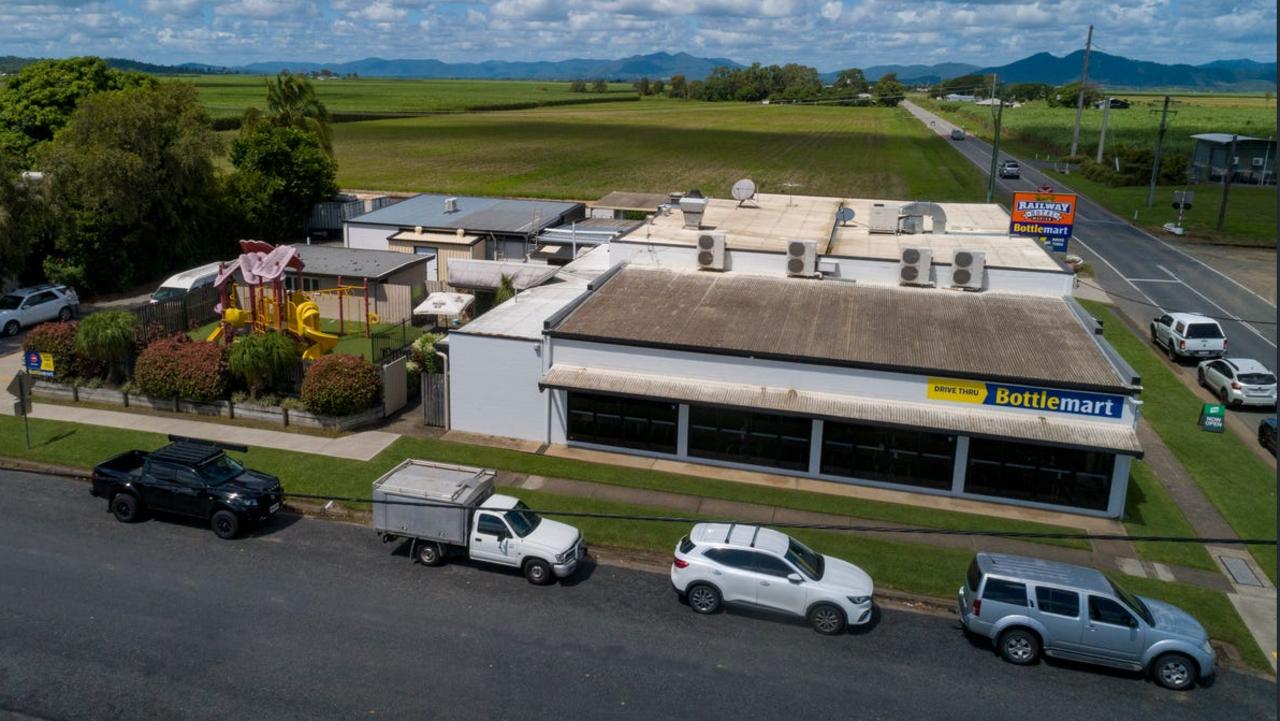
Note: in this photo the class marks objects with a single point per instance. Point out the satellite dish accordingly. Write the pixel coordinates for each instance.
(844, 215)
(744, 190)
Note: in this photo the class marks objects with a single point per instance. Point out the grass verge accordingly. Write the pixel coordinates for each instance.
(1239, 483)
(1150, 511)
(907, 567)
(84, 445)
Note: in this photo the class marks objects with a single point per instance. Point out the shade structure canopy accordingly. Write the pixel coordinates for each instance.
(444, 304)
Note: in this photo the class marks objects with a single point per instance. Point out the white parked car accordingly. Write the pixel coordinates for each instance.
(1187, 335)
(727, 563)
(26, 307)
(1239, 381)
(179, 285)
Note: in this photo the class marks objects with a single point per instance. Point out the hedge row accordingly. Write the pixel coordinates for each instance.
(178, 367)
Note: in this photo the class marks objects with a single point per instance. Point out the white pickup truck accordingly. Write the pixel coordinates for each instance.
(452, 510)
(1188, 335)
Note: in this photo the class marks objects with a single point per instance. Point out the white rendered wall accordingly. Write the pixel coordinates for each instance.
(366, 237)
(493, 387)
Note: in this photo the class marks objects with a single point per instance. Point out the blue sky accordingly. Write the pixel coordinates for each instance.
(829, 34)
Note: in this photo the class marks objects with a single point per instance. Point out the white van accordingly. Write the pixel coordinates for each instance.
(177, 287)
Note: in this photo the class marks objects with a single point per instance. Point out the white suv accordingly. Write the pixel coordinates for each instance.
(26, 307)
(1239, 381)
(719, 563)
(1188, 335)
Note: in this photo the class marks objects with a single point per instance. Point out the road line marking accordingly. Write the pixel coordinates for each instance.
(1102, 258)
(1229, 314)
(1152, 280)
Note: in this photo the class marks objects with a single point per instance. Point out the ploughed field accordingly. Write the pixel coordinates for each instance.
(657, 145)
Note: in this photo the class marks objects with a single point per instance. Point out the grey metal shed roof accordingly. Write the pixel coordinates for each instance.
(353, 262)
(991, 336)
(1117, 437)
(487, 274)
(474, 214)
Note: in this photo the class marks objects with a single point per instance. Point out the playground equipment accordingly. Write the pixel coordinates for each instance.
(271, 306)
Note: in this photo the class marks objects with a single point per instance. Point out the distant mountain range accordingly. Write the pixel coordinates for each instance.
(1108, 70)
(1104, 69)
(654, 65)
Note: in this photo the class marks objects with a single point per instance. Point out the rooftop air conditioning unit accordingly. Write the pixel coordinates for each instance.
(802, 258)
(967, 268)
(711, 251)
(450, 205)
(884, 219)
(915, 266)
(417, 229)
(913, 224)
(693, 208)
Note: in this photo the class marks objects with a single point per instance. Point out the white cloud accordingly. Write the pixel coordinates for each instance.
(831, 10)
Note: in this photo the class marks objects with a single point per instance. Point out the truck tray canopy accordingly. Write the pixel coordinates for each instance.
(435, 483)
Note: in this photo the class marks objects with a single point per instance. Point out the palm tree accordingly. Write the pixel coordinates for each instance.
(292, 102)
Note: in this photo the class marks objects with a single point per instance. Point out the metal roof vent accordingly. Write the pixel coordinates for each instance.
(417, 229)
(450, 205)
(693, 207)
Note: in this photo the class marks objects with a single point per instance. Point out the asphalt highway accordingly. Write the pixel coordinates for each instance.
(319, 620)
(1144, 274)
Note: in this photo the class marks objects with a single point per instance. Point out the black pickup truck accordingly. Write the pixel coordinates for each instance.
(190, 477)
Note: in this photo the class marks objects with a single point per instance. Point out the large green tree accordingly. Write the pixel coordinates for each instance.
(39, 100)
(27, 221)
(292, 103)
(851, 81)
(888, 91)
(133, 184)
(281, 173)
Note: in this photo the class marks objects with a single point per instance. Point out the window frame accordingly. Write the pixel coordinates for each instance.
(497, 519)
(986, 588)
(1133, 622)
(741, 435)
(1051, 590)
(606, 420)
(758, 566)
(888, 454)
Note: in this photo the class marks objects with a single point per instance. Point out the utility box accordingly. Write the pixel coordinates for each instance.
(884, 218)
(456, 488)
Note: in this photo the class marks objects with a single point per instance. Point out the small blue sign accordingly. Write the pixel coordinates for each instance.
(37, 362)
(1057, 244)
(33, 360)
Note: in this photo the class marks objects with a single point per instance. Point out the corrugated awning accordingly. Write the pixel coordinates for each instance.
(989, 423)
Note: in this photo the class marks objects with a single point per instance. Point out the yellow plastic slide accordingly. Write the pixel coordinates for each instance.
(216, 334)
(307, 320)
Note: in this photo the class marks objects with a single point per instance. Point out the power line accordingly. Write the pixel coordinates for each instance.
(910, 530)
(1139, 301)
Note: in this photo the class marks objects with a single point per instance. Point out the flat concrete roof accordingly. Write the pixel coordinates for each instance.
(474, 214)
(435, 238)
(639, 202)
(335, 260)
(1036, 340)
(523, 316)
(770, 221)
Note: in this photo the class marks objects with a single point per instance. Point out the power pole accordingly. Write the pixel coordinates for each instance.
(1084, 78)
(995, 149)
(1226, 181)
(1155, 165)
(1102, 136)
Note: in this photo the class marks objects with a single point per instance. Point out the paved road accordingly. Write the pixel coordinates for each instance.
(310, 619)
(1140, 270)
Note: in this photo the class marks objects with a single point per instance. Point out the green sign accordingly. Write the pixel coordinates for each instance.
(1211, 417)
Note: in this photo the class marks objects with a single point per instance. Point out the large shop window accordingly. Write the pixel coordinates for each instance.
(914, 458)
(759, 439)
(1061, 476)
(627, 422)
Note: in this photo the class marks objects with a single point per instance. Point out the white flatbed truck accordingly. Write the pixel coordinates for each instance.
(447, 510)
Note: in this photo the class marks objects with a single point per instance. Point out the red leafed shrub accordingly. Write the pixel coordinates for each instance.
(340, 385)
(59, 339)
(177, 367)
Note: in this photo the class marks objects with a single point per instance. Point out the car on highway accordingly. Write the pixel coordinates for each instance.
(1238, 382)
(1267, 434)
(1188, 335)
(957, 134)
(25, 307)
(188, 477)
(1028, 607)
(1010, 169)
(733, 563)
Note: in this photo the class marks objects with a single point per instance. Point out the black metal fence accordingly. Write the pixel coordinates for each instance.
(391, 343)
(180, 315)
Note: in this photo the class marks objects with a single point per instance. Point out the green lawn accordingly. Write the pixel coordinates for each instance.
(1240, 484)
(893, 564)
(227, 96)
(657, 145)
(1250, 218)
(1150, 511)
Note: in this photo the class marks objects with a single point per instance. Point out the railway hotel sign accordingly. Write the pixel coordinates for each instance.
(1047, 216)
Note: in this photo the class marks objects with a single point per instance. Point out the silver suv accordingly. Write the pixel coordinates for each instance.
(1027, 606)
(25, 307)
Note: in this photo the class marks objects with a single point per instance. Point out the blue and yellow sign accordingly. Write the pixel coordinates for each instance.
(1047, 216)
(1098, 405)
(41, 363)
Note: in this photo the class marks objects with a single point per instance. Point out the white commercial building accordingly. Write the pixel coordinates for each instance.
(816, 349)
